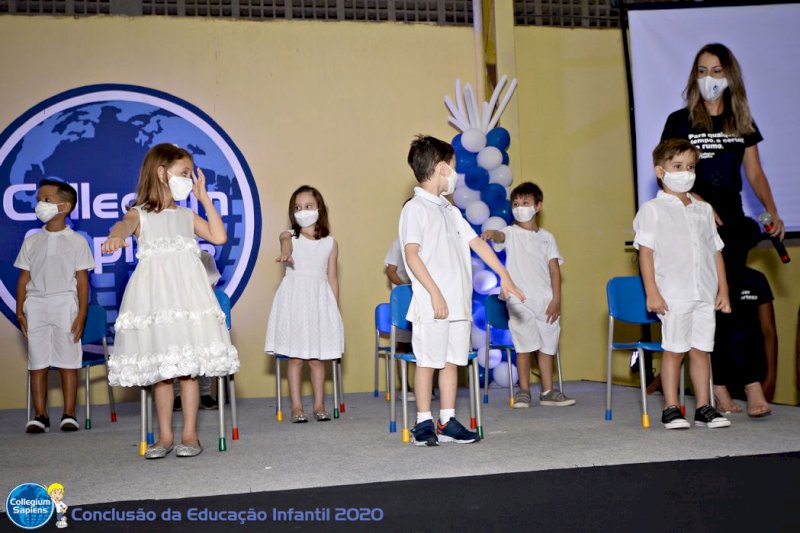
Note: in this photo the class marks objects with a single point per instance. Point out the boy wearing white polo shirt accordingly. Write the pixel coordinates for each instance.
(533, 260)
(684, 278)
(52, 300)
(436, 243)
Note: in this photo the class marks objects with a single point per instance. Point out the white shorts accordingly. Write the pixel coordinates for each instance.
(441, 341)
(529, 328)
(49, 337)
(688, 325)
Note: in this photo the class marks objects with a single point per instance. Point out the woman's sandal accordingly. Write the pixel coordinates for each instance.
(322, 416)
(299, 419)
(763, 409)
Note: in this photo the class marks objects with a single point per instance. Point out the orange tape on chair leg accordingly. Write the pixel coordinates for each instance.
(473, 422)
(683, 410)
(235, 434)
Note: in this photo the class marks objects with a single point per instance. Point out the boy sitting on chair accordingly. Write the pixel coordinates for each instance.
(436, 249)
(684, 278)
(52, 301)
(533, 261)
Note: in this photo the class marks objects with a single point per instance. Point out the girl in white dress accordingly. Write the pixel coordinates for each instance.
(305, 323)
(169, 324)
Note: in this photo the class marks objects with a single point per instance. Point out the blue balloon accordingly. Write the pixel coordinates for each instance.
(465, 161)
(476, 178)
(504, 359)
(501, 255)
(479, 318)
(478, 300)
(503, 211)
(477, 228)
(494, 195)
(499, 138)
(482, 374)
(502, 336)
(456, 143)
(505, 157)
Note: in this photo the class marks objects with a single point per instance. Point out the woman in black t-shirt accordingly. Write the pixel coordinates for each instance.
(718, 122)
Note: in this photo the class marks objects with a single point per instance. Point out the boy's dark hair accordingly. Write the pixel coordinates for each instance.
(66, 191)
(527, 189)
(425, 153)
(669, 148)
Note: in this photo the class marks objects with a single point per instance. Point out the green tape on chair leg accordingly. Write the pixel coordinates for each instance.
(223, 446)
(88, 424)
(335, 412)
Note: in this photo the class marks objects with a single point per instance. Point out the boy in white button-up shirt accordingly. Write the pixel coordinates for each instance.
(436, 250)
(684, 278)
(52, 301)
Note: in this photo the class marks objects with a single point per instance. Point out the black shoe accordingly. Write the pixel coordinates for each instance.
(68, 423)
(424, 434)
(40, 424)
(709, 417)
(176, 405)
(672, 418)
(208, 403)
(454, 431)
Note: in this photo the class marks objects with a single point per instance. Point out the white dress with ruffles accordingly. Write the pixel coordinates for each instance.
(170, 323)
(305, 321)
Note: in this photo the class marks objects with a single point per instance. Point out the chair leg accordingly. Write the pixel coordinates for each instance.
(143, 421)
(683, 388)
(558, 365)
(609, 415)
(473, 419)
(377, 366)
(232, 397)
(486, 364)
(335, 376)
(711, 399)
(406, 436)
(29, 397)
(223, 446)
(342, 408)
(475, 394)
(391, 389)
(111, 403)
(87, 379)
(645, 416)
(388, 362)
(510, 380)
(278, 410)
(150, 435)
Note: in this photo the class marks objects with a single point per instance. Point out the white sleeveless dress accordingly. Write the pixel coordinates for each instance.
(169, 323)
(305, 321)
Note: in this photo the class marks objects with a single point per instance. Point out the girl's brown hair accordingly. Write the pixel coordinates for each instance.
(737, 119)
(149, 192)
(322, 228)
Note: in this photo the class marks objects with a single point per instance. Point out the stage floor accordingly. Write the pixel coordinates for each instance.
(103, 465)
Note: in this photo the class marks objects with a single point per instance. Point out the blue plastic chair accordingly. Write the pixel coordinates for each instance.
(383, 328)
(399, 302)
(497, 318)
(94, 331)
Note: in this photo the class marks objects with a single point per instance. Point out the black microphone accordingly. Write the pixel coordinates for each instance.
(766, 221)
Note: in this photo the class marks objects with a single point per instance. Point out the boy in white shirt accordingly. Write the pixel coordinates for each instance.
(52, 301)
(533, 260)
(684, 278)
(436, 243)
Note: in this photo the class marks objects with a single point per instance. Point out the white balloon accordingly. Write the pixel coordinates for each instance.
(477, 265)
(501, 374)
(477, 212)
(494, 223)
(490, 158)
(478, 337)
(484, 281)
(508, 193)
(460, 181)
(501, 175)
(474, 140)
(464, 196)
(494, 357)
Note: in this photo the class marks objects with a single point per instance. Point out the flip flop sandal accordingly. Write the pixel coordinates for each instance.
(299, 419)
(322, 416)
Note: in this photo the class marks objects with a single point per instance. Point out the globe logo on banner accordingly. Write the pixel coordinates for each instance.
(95, 138)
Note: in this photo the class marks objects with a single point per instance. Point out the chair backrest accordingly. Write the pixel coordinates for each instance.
(95, 327)
(399, 301)
(496, 312)
(224, 304)
(627, 301)
(383, 318)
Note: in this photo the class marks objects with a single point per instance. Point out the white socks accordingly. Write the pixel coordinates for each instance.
(446, 414)
(422, 417)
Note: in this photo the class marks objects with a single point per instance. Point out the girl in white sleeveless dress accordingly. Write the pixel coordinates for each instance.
(304, 322)
(169, 324)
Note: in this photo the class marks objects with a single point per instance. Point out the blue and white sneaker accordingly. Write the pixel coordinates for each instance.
(424, 434)
(453, 431)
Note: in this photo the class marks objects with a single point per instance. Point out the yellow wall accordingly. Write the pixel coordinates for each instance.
(335, 105)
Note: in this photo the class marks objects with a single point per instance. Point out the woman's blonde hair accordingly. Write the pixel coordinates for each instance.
(737, 119)
(148, 192)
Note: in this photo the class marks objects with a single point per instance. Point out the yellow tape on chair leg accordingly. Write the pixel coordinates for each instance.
(142, 447)
(406, 435)
(645, 421)
(511, 402)
(279, 416)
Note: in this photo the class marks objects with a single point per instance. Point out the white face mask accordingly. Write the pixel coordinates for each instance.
(452, 179)
(306, 217)
(679, 181)
(712, 88)
(180, 187)
(45, 211)
(523, 213)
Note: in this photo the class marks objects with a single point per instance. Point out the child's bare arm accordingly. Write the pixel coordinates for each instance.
(211, 228)
(391, 273)
(553, 310)
(420, 271)
(333, 273)
(655, 302)
(22, 293)
(82, 279)
(722, 302)
(487, 254)
(493, 235)
(121, 231)
(285, 240)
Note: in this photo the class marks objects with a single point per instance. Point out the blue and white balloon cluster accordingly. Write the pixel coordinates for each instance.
(482, 192)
